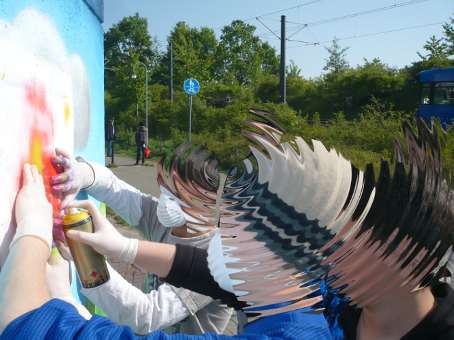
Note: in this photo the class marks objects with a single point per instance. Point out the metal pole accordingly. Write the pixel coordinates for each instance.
(112, 150)
(146, 94)
(283, 90)
(146, 98)
(190, 117)
(171, 72)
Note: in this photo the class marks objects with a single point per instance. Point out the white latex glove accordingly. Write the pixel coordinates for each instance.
(33, 211)
(74, 176)
(169, 212)
(58, 280)
(106, 240)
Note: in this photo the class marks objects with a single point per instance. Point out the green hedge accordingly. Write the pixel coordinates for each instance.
(364, 140)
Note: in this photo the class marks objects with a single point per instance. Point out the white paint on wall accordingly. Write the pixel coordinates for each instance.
(33, 55)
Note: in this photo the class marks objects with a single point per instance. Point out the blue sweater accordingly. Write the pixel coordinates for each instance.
(58, 320)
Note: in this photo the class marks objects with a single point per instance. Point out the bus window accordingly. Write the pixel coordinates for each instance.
(443, 93)
(425, 94)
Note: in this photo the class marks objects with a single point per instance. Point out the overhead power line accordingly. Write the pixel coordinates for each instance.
(269, 29)
(289, 8)
(302, 26)
(305, 43)
(360, 13)
(299, 29)
(274, 33)
(275, 12)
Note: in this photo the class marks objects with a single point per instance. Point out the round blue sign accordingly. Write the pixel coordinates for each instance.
(191, 86)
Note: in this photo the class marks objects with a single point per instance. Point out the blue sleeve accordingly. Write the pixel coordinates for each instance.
(298, 324)
(58, 320)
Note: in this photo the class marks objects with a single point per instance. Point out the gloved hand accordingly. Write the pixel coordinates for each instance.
(33, 211)
(106, 239)
(74, 176)
(169, 212)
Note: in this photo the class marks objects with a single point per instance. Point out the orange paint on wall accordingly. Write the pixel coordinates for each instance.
(41, 147)
(36, 151)
(42, 159)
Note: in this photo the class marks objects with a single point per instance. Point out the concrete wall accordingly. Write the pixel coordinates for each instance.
(51, 89)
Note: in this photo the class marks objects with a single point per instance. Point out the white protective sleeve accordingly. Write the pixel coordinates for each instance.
(167, 304)
(126, 305)
(123, 198)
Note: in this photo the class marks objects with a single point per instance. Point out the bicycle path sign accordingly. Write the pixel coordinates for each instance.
(191, 86)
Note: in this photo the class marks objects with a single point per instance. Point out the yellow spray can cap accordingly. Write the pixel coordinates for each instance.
(74, 215)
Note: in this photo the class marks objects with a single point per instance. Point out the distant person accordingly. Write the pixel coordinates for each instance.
(141, 142)
(110, 137)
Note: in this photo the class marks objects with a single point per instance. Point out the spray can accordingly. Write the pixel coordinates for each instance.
(90, 265)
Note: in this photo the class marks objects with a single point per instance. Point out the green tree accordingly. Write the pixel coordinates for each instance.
(448, 30)
(437, 53)
(267, 89)
(241, 56)
(336, 61)
(127, 40)
(435, 49)
(293, 70)
(126, 45)
(269, 59)
(193, 54)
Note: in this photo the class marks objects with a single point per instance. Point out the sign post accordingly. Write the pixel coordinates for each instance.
(191, 87)
(190, 117)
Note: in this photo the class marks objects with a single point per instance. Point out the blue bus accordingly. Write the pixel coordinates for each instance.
(437, 95)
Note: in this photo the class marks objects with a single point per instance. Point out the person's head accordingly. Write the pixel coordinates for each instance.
(407, 235)
(191, 174)
(305, 214)
(141, 124)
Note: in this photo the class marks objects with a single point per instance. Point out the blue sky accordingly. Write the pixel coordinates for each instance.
(396, 48)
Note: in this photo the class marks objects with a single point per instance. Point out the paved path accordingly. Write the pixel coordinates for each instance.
(142, 177)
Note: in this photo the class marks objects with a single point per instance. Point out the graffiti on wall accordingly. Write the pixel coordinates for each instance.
(44, 103)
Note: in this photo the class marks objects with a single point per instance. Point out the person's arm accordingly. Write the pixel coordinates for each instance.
(100, 183)
(185, 266)
(155, 257)
(182, 266)
(126, 200)
(57, 319)
(58, 279)
(23, 277)
(190, 270)
(139, 210)
(125, 304)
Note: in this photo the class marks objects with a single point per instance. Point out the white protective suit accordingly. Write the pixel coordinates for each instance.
(167, 305)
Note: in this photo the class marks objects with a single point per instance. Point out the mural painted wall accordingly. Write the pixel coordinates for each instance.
(51, 90)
